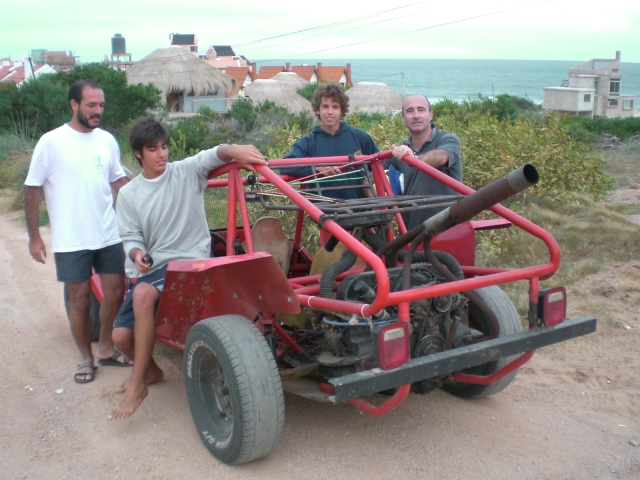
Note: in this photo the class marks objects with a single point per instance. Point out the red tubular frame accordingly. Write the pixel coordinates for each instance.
(386, 407)
(486, 380)
(307, 291)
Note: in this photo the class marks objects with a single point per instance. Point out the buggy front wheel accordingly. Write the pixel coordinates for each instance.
(233, 388)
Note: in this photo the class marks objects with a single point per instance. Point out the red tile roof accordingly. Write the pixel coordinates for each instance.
(239, 73)
(16, 75)
(5, 70)
(334, 74)
(305, 71)
(326, 74)
(268, 72)
(15, 72)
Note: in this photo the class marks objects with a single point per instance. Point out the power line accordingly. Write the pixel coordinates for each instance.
(328, 25)
(159, 60)
(418, 29)
(385, 20)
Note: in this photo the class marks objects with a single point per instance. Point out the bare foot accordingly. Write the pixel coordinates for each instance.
(129, 403)
(154, 375)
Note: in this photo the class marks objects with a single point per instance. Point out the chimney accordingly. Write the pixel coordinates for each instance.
(618, 55)
(349, 82)
(288, 67)
(254, 70)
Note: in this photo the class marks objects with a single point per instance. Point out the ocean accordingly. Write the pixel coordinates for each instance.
(464, 79)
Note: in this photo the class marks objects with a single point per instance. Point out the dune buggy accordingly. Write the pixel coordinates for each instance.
(378, 312)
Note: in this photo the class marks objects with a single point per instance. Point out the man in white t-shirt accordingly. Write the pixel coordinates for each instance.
(77, 165)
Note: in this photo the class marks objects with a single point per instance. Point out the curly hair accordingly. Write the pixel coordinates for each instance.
(333, 91)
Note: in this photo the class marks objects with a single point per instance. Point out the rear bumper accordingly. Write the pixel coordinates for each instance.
(433, 366)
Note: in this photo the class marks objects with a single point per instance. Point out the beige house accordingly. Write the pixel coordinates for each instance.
(592, 90)
(188, 42)
(223, 56)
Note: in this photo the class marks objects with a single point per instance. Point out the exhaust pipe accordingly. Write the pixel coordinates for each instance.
(463, 210)
(489, 195)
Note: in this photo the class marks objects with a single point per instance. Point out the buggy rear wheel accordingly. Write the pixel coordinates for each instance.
(233, 388)
(509, 321)
(94, 313)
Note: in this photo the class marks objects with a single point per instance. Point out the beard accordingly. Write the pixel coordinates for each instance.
(84, 121)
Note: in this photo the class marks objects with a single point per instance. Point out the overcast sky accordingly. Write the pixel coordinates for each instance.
(332, 29)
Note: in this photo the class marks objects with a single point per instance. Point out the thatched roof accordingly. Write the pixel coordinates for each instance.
(290, 79)
(261, 90)
(173, 69)
(373, 97)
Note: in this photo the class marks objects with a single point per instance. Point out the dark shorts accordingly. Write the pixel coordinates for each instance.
(75, 267)
(125, 317)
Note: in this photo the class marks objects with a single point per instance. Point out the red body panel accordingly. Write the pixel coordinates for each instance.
(459, 241)
(199, 289)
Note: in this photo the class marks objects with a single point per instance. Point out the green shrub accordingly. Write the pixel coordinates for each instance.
(40, 105)
(208, 113)
(194, 132)
(491, 148)
(307, 91)
(590, 129)
(244, 112)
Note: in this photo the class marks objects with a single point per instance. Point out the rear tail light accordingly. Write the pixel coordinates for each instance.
(552, 305)
(392, 343)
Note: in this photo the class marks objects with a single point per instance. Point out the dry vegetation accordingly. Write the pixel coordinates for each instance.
(590, 234)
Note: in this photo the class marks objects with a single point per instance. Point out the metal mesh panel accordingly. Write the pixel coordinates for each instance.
(215, 202)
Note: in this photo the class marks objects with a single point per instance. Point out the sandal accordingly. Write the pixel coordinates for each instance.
(91, 373)
(113, 360)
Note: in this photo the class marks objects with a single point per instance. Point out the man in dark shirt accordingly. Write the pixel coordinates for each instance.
(333, 138)
(436, 148)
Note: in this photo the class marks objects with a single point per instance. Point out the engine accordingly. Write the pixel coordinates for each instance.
(436, 324)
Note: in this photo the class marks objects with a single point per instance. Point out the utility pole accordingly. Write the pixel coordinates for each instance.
(33, 73)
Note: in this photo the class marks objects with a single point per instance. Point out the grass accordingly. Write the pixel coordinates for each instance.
(12, 142)
(625, 208)
(623, 163)
(590, 234)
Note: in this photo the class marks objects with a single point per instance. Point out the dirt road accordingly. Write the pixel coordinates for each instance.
(572, 412)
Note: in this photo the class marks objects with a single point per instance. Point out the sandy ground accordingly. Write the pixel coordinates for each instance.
(573, 412)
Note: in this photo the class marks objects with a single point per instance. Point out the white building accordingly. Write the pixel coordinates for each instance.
(593, 90)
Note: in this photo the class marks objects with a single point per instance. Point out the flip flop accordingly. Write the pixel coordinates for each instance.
(85, 366)
(113, 360)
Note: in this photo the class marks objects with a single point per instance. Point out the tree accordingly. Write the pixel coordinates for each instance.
(41, 104)
(123, 102)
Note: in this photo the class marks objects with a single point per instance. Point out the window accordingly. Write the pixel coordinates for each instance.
(628, 104)
(193, 48)
(587, 98)
(614, 87)
(613, 103)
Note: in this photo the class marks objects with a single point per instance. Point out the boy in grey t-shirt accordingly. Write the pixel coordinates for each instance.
(160, 216)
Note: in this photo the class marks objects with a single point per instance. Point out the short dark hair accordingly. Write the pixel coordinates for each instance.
(146, 132)
(333, 91)
(75, 92)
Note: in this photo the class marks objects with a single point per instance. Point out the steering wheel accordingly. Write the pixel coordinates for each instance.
(216, 239)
